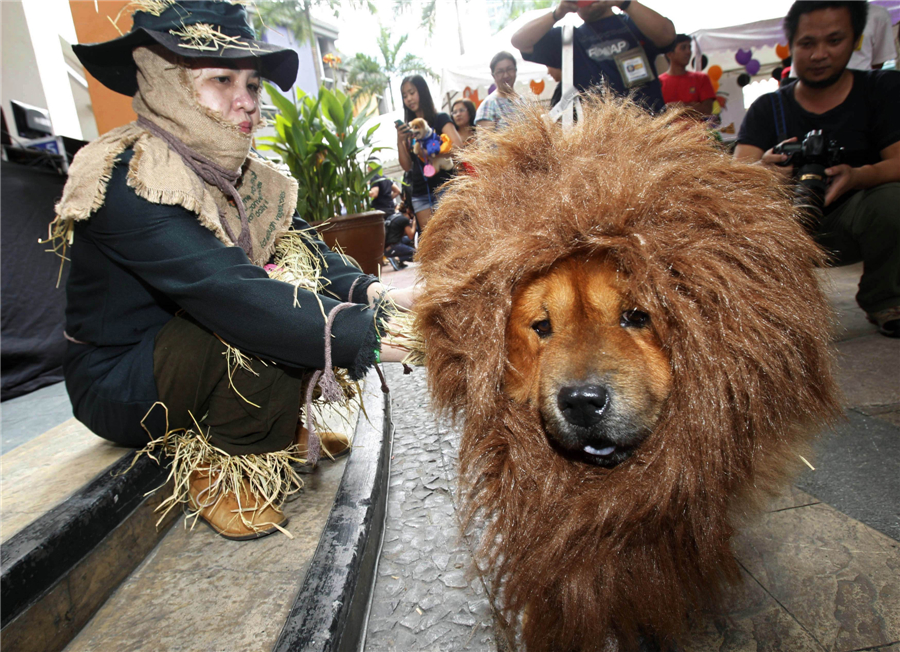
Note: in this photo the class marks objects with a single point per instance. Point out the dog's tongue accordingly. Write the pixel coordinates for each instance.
(602, 452)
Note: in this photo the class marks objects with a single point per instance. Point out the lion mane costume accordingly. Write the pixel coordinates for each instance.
(714, 251)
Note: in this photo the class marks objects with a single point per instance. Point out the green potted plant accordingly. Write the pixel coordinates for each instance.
(327, 150)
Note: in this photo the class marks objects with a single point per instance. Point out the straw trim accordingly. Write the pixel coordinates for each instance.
(271, 476)
(399, 331)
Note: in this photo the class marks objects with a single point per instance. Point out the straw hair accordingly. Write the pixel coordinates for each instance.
(271, 476)
(712, 249)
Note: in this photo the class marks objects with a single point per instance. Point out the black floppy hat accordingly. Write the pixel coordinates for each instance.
(214, 29)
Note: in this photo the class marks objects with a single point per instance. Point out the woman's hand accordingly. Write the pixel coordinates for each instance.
(391, 353)
(403, 136)
(403, 297)
(406, 297)
(403, 133)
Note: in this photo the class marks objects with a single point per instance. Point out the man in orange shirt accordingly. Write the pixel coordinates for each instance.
(680, 86)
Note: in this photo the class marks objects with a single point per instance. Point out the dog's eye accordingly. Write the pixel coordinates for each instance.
(542, 328)
(634, 319)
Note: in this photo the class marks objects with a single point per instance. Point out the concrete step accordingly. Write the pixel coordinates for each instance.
(74, 525)
(129, 585)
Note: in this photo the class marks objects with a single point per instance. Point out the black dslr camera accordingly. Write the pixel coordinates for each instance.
(810, 158)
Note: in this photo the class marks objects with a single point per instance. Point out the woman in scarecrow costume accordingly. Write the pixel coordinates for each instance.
(171, 220)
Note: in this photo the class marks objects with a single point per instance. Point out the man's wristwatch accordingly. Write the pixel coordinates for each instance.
(555, 19)
(623, 6)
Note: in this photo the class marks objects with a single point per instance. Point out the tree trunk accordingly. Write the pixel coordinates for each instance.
(314, 43)
(462, 47)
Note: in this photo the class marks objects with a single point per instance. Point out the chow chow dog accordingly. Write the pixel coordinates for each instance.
(628, 324)
(430, 146)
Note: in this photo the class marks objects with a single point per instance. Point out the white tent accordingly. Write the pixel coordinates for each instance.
(720, 46)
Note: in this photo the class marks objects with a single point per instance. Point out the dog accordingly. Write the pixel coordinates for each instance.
(587, 359)
(627, 323)
(430, 147)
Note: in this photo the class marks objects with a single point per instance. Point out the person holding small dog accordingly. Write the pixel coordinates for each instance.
(496, 107)
(618, 49)
(858, 111)
(417, 103)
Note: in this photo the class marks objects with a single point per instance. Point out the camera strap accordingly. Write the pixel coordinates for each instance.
(778, 112)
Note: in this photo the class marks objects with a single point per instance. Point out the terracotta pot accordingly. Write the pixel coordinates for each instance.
(360, 236)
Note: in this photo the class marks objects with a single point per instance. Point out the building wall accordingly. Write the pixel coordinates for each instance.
(39, 67)
(110, 109)
(20, 71)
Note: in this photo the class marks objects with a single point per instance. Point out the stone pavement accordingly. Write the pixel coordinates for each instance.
(425, 596)
(821, 568)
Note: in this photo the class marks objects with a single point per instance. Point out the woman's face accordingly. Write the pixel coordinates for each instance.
(460, 114)
(410, 96)
(231, 92)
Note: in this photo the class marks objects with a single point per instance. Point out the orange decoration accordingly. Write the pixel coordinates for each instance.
(714, 72)
(537, 86)
(782, 51)
(715, 84)
(467, 93)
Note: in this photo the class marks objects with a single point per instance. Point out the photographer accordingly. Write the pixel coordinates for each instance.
(858, 111)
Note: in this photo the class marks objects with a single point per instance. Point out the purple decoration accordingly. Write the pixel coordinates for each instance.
(492, 88)
(752, 67)
(743, 56)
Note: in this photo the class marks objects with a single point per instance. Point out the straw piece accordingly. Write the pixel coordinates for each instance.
(205, 37)
(235, 359)
(60, 233)
(401, 333)
(154, 7)
(296, 264)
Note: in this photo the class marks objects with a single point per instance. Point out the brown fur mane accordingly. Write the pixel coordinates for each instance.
(713, 251)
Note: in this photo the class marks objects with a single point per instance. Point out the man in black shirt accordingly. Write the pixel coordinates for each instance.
(382, 192)
(618, 49)
(398, 239)
(858, 110)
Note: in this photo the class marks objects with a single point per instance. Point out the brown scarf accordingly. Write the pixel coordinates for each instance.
(185, 155)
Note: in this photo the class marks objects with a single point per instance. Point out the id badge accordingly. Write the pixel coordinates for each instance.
(634, 67)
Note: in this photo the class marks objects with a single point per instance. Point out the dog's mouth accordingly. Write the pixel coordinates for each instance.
(606, 455)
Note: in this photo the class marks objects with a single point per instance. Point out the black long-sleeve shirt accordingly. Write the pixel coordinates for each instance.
(135, 264)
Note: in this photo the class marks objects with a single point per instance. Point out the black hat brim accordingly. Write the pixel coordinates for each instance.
(112, 64)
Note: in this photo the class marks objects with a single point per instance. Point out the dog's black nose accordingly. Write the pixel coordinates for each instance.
(582, 405)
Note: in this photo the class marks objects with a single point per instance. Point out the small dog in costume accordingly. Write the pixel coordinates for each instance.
(433, 149)
(628, 323)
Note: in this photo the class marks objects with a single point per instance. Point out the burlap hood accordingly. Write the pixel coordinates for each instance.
(712, 249)
(159, 175)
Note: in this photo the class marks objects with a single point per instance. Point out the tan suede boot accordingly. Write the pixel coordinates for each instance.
(237, 518)
(334, 444)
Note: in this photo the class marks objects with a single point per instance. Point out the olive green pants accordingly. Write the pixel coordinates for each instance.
(192, 380)
(867, 228)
